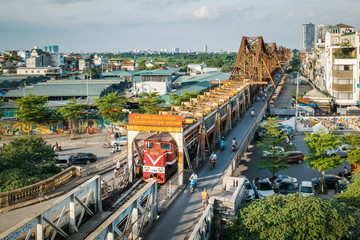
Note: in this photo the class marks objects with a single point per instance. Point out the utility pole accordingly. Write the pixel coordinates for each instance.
(24, 88)
(87, 99)
(296, 101)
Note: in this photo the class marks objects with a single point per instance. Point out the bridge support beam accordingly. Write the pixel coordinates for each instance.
(179, 139)
(131, 136)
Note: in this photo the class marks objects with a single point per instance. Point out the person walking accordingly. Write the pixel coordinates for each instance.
(205, 199)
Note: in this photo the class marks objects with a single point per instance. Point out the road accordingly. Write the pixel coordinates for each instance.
(248, 167)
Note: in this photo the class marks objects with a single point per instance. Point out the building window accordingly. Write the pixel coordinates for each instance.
(26, 72)
(38, 71)
(32, 71)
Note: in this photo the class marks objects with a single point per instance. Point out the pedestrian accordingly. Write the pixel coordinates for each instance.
(118, 165)
(205, 199)
(56, 146)
(345, 171)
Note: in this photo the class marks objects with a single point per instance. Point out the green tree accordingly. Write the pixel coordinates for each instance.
(93, 73)
(31, 109)
(226, 68)
(273, 139)
(293, 217)
(141, 66)
(25, 161)
(111, 107)
(354, 141)
(176, 100)
(149, 102)
(317, 144)
(73, 111)
(352, 194)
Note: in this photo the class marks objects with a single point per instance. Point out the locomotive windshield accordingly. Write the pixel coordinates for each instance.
(149, 145)
(165, 146)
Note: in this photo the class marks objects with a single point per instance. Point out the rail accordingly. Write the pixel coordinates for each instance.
(38, 189)
(202, 229)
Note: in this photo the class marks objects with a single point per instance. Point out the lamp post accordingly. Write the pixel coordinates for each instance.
(296, 100)
(87, 100)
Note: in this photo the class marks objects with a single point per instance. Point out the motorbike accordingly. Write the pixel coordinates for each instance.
(252, 113)
(222, 145)
(212, 163)
(59, 148)
(192, 185)
(106, 145)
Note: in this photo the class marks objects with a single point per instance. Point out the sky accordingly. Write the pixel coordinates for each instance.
(125, 25)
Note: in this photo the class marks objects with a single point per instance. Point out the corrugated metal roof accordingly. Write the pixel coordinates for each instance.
(155, 72)
(210, 76)
(120, 73)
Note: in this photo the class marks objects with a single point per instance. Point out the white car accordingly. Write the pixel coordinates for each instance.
(63, 161)
(341, 151)
(263, 187)
(306, 188)
(278, 150)
(252, 192)
(121, 141)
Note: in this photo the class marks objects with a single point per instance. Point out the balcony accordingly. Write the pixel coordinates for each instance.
(342, 87)
(342, 73)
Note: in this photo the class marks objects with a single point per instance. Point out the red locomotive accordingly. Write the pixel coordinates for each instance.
(160, 157)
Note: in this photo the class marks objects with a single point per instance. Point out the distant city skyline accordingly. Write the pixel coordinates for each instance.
(123, 25)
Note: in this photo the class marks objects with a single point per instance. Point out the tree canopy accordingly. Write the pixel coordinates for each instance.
(111, 107)
(354, 141)
(176, 100)
(73, 111)
(31, 109)
(317, 144)
(25, 161)
(351, 195)
(149, 102)
(293, 216)
(273, 139)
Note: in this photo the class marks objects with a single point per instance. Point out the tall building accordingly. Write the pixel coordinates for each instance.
(175, 50)
(308, 35)
(205, 49)
(51, 49)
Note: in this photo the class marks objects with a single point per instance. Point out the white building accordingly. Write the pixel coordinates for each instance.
(342, 66)
(100, 60)
(308, 36)
(153, 81)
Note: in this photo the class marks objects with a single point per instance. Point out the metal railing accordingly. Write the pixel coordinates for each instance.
(168, 190)
(202, 229)
(37, 189)
(63, 217)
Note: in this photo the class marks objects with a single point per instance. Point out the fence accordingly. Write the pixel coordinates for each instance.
(202, 229)
(37, 189)
(168, 190)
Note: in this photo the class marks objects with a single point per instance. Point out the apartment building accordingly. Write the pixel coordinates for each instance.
(308, 36)
(336, 66)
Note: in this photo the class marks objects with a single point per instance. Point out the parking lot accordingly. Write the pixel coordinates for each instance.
(248, 166)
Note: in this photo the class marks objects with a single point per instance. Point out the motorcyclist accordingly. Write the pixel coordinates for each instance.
(222, 142)
(252, 112)
(193, 176)
(213, 156)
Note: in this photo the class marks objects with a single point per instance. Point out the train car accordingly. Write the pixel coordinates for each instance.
(160, 157)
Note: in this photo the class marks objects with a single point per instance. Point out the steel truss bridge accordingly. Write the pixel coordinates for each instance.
(205, 119)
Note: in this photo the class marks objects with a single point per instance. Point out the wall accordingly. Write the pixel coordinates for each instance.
(13, 127)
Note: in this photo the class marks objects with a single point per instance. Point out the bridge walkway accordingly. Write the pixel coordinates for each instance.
(178, 219)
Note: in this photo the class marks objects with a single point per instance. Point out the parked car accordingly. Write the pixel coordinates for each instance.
(279, 178)
(83, 158)
(252, 192)
(341, 151)
(306, 188)
(277, 150)
(295, 156)
(263, 187)
(330, 181)
(286, 186)
(63, 161)
(340, 185)
(121, 141)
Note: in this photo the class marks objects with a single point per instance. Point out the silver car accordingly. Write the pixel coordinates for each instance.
(121, 141)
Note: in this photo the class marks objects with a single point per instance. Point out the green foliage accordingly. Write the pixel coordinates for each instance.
(226, 68)
(352, 194)
(354, 141)
(176, 100)
(293, 217)
(149, 102)
(273, 137)
(31, 109)
(317, 143)
(73, 111)
(141, 66)
(25, 161)
(111, 107)
(94, 73)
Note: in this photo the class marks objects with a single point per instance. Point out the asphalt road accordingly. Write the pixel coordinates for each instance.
(248, 167)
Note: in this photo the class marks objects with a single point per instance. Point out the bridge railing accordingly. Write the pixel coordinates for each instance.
(168, 190)
(63, 217)
(38, 189)
(202, 229)
(130, 220)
